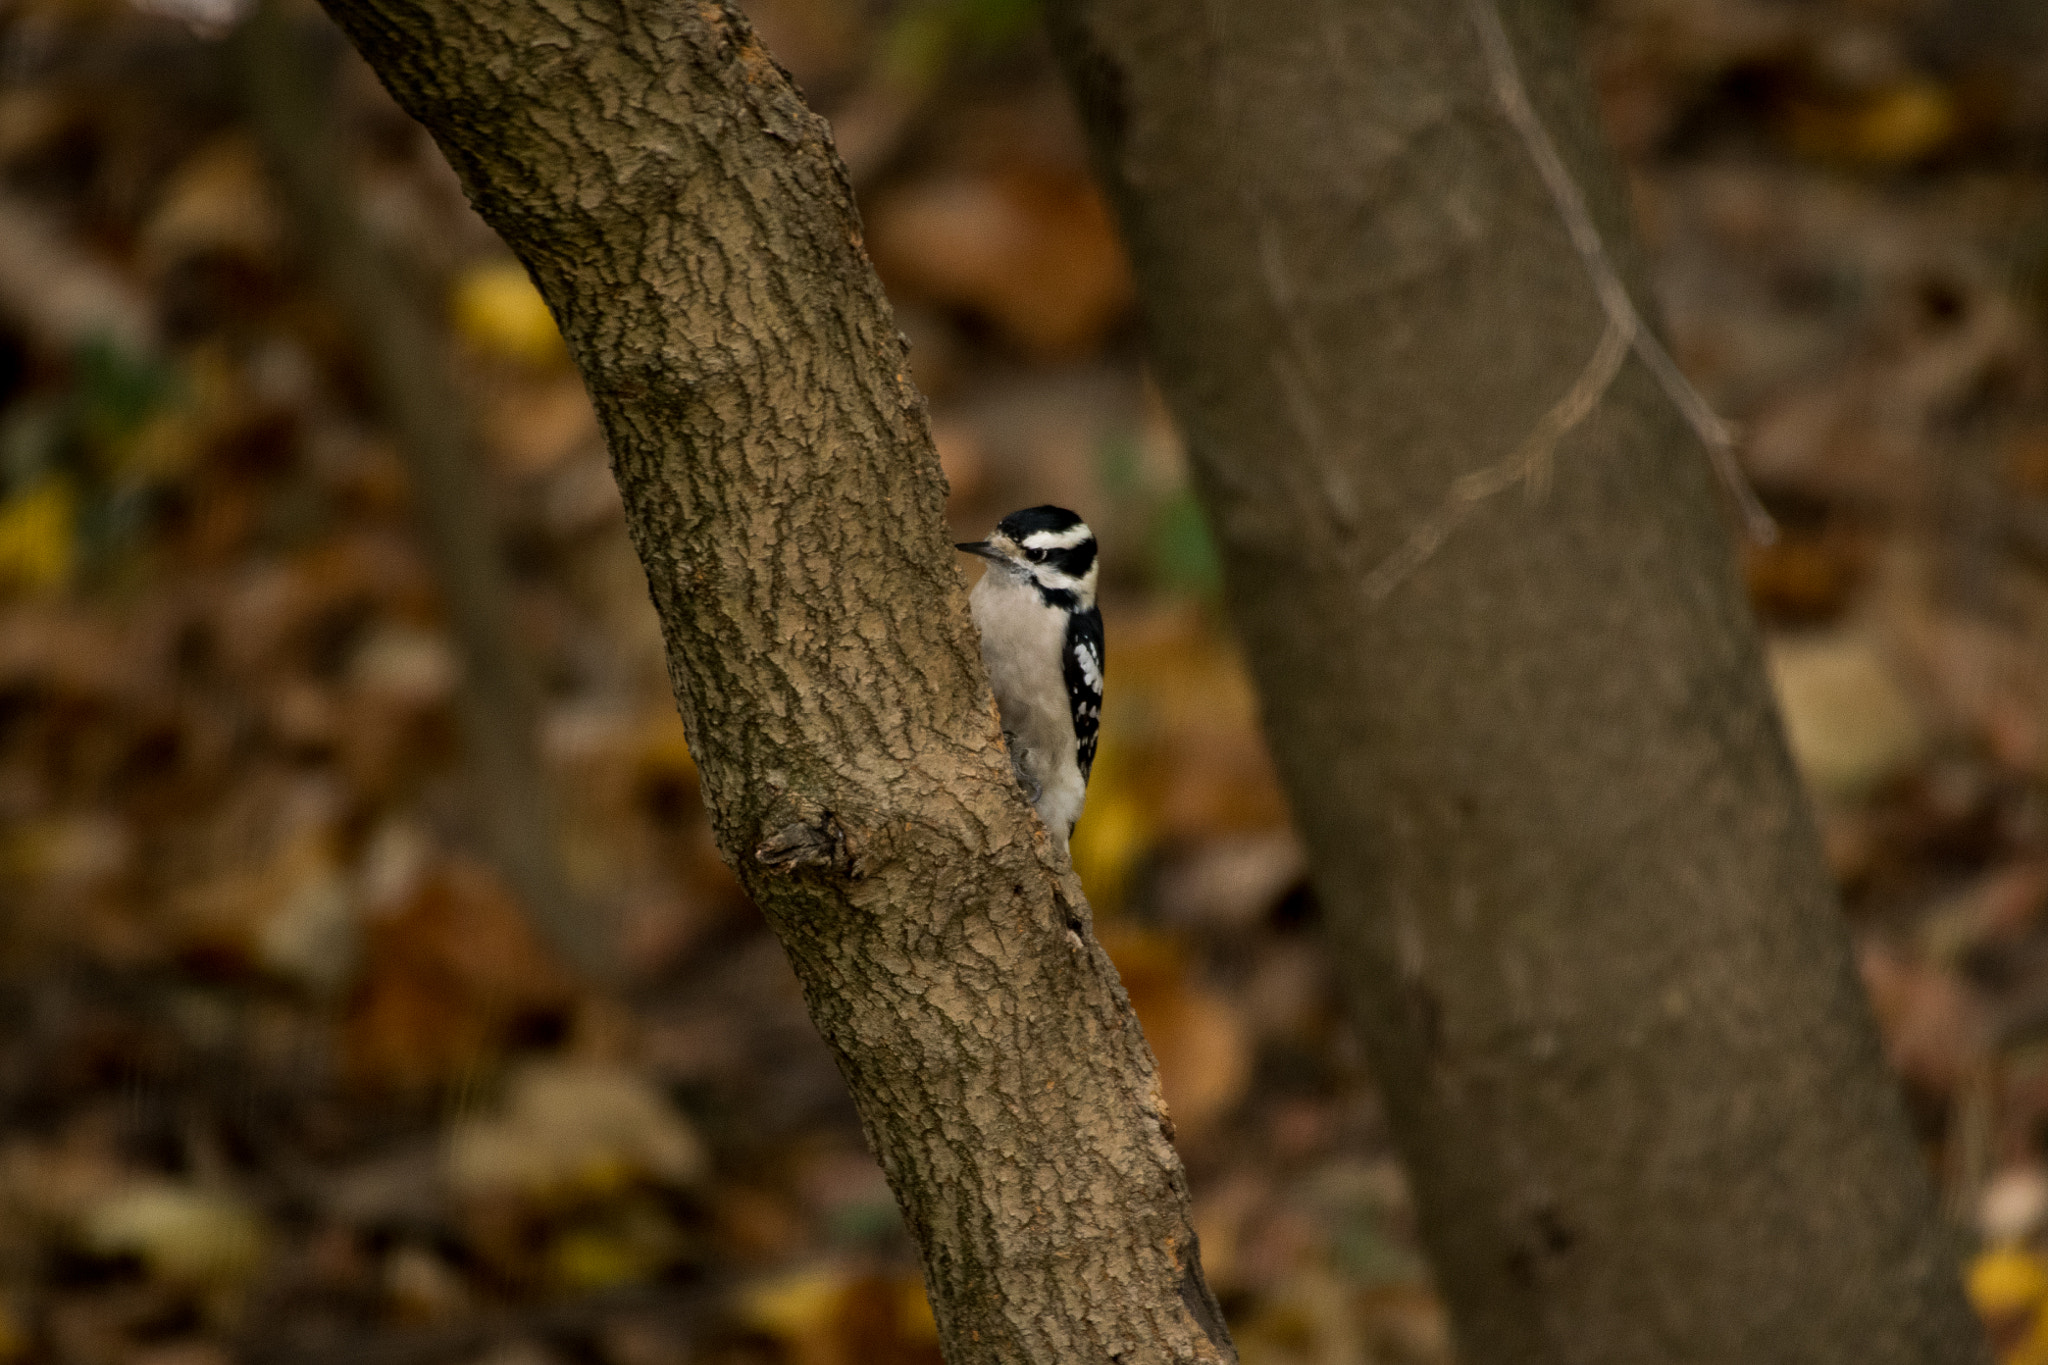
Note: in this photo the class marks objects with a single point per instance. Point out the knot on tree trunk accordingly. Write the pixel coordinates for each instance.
(801, 834)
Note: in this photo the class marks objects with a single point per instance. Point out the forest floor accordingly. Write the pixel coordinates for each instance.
(285, 1075)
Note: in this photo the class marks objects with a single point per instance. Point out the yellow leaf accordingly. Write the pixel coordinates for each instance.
(798, 1306)
(1896, 125)
(1903, 123)
(1114, 831)
(184, 1234)
(2005, 1281)
(2030, 1349)
(500, 313)
(631, 1248)
(164, 446)
(914, 1312)
(591, 1260)
(36, 536)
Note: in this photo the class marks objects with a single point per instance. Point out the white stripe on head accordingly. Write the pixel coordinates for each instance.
(1077, 534)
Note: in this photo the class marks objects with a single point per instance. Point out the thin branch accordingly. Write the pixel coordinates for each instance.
(1529, 465)
(1713, 432)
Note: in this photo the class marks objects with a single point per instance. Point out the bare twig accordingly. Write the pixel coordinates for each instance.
(1713, 432)
(1529, 465)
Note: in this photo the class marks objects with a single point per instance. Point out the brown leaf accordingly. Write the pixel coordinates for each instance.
(573, 1129)
(448, 982)
(1803, 579)
(1934, 1031)
(218, 201)
(828, 1314)
(1200, 1040)
(1032, 248)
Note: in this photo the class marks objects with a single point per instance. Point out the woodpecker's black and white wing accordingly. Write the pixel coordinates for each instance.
(1082, 659)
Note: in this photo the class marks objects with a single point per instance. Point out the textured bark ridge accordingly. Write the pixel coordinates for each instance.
(690, 225)
(1484, 585)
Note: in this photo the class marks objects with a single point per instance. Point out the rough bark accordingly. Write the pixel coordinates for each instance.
(690, 225)
(1514, 693)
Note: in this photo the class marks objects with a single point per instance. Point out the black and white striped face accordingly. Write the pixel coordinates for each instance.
(1050, 546)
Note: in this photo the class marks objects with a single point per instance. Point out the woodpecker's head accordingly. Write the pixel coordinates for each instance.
(1047, 547)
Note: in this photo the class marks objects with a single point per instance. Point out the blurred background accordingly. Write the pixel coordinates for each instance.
(303, 1058)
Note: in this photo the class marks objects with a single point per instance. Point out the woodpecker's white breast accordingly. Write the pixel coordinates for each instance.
(1021, 643)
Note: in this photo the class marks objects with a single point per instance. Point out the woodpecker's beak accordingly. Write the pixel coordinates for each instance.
(980, 547)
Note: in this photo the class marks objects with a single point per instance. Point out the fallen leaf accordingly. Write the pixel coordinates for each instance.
(446, 981)
(188, 1352)
(830, 1315)
(38, 541)
(631, 1244)
(500, 314)
(1309, 1321)
(422, 1286)
(2008, 1287)
(535, 427)
(797, 1309)
(2007, 1280)
(1934, 1030)
(1849, 722)
(574, 1128)
(1200, 1040)
(1405, 1323)
(1032, 248)
(1116, 828)
(218, 200)
(62, 293)
(2014, 1205)
(1896, 124)
(1230, 884)
(406, 665)
(1803, 579)
(183, 1234)
(266, 858)
(314, 934)
(67, 851)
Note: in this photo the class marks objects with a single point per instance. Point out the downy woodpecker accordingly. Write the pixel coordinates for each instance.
(1041, 640)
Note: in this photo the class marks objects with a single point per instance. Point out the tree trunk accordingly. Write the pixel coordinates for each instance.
(288, 91)
(1480, 574)
(691, 227)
